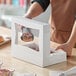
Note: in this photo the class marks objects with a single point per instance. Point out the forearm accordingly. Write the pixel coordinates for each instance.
(72, 39)
(34, 10)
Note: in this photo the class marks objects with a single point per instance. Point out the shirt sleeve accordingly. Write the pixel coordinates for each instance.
(44, 3)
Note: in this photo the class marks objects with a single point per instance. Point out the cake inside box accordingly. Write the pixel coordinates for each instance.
(32, 44)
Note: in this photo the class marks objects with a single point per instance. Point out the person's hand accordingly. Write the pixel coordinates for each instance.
(66, 47)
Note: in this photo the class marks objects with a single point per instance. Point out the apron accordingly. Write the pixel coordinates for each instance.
(63, 18)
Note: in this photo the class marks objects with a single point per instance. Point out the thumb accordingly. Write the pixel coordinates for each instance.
(59, 47)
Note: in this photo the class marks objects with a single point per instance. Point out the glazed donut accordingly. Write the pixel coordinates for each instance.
(1, 39)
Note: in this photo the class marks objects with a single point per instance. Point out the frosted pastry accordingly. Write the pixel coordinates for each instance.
(5, 72)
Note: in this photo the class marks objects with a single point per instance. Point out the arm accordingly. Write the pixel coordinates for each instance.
(37, 7)
(72, 39)
(34, 10)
